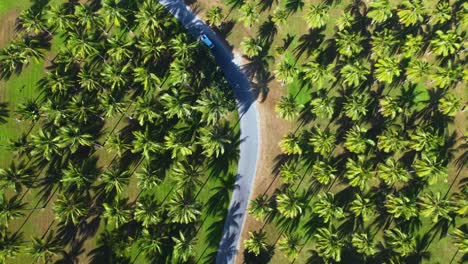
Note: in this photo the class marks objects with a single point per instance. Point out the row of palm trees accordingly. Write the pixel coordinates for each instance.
(128, 97)
(362, 173)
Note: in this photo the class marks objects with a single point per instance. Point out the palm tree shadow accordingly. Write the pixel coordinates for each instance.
(309, 42)
(294, 5)
(225, 30)
(4, 113)
(220, 197)
(267, 4)
(265, 256)
(267, 32)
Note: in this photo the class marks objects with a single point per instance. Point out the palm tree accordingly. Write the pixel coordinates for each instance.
(10, 245)
(392, 172)
(187, 176)
(251, 46)
(329, 243)
(425, 140)
(431, 168)
(78, 177)
(32, 22)
(364, 244)
(177, 104)
(15, 176)
(412, 45)
(249, 13)
(363, 206)
(145, 144)
(81, 108)
(58, 18)
(417, 70)
(400, 242)
(44, 144)
(112, 13)
(256, 242)
(442, 13)
(387, 69)
(323, 106)
(359, 172)
(87, 18)
(354, 74)
(70, 209)
(327, 208)
(12, 59)
(260, 207)
(290, 245)
(280, 16)
(119, 49)
(446, 43)
(88, 79)
(349, 44)
(117, 213)
(287, 108)
(449, 105)
(316, 15)
(115, 144)
(10, 209)
(152, 49)
(434, 206)
(390, 107)
(150, 243)
(57, 83)
(213, 104)
(149, 177)
(116, 76)
(215, 16)
(183, 48)
(318, 74)
(345, 21)
(81, 45)
(289, 204)
(291, 144)
(184, 247)
(380, 11)
(411, 13)
(149, 19)
(145, 110)
(401, 207)
(147, 211)
(115, 180)
(54, 112)
(44, 248)
(289, 173)
(323, 172)
(286, 71)
(72, 138)
(322, 142)
(183, 208)
(214, 141)
(356, 141)
(460, 236)
(383, 44)
(356, 106)
(110, 105)
(447, 75)
(174, 142)
(147, 79)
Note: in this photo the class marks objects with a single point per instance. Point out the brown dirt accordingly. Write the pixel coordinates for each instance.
(7, 27)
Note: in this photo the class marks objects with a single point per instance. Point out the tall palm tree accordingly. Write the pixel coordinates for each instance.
(44, 144)
(316, 15)
(285, 71)
(87, 18)
(288, 108)
(383, 44)
(115, 144)
(44, 248)
(323, 172)
(116, 76)
(327, 209)
(152, 49)
(390, 107)
(259, 207)
(393, 172)
(256, 242)
(145, 144)
(146, 111)
(386, 69)
(460, 236)
(10, 209)
(345, 21)
(412, 45)
(176, 144)
(318, 74)
(354, 74)
(363, 206)
(115, 180)
(380, 11)
(147, 211)
(431, 168)
(329, 243)
(355, 140)
(32, 22)
(10, 245)
(322, 142)
(401, 206)
(290, 245)
(15, 177)
(249, 13)
(78, 177)
(391, 140)
(177, 104)
(184, 247)
(215, 16)
(251, 46)
(425, 140)
(323, 106)
(70, 208)
(289, 204)
(434, 206)
(400, 242)
(81, 45)
(110, 105)
(113, 13)
(58, 18)
(72, 138)
(81, 108)
(147, 79)
(187, 176)
(446, 43)
(149, 19)
(214, 141)
(359, 172)
(291, 144)
(417, 70)
(411, 12)
(117, 213)
(183, 48)
(364, 244)
(119, 49)
(447, 75)
(356, 106)
(151, 243)
(149, 176)
(449, 105)
(213, 104)
(183, 208)
(349, 43)
(280, 16)
(289, 173)
(442, 13)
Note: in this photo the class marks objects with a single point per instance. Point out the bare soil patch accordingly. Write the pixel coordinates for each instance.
(7, 27)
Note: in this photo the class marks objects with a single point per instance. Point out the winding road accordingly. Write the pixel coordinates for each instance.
(249, 129)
